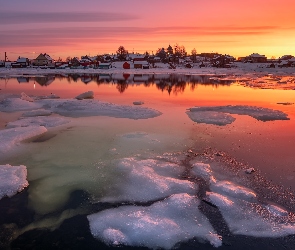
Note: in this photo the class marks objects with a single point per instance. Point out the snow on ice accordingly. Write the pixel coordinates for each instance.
(161, 225)
(147, 180)
(38, 121)
(13, 136)
(218, 115)
(13, 179)
(79, 108)
(241, 209)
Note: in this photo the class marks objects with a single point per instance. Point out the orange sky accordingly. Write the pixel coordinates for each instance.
(75, 28)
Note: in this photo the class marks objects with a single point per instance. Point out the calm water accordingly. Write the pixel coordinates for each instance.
(72, 167)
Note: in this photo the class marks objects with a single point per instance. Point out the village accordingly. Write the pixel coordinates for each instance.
(165, 57)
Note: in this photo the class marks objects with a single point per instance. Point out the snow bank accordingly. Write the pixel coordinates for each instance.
(160, 225)
(11, 137)
(13, 179)
(148, 180)
(38, 121)
(217, 114)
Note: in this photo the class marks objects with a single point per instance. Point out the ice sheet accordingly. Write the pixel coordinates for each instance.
(218, 115)
(250, 218)
(39, 121)
(79, 108)
(147, 180)
(13, 179)
(11, 137)
(160, 225)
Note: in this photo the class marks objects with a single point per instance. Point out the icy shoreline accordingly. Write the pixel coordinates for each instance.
(239, 69)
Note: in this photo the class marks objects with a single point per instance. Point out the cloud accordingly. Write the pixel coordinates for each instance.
(62, 17)
(76, 35)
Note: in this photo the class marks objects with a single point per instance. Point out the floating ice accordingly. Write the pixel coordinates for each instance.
(147, 180)
(79, 108)
(86, 95)
(17, 104)
(161, 225)
(76, 108)
(13, 136)
(25, 97)
(138, 103)
(47, 122)
(13, 179)
(38, 112)
(250, 218)
(211, 117)
(215, 114)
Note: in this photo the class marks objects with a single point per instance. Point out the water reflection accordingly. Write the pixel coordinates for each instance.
(171, 83)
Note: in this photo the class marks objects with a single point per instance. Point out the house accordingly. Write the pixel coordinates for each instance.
(21, 63)
(256, 58)
(75, 62)
(141, 65)
(2, 64)
(104, 65)
(126, 65)
(43, 60)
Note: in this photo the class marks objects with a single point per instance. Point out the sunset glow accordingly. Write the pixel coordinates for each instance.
(69, 28)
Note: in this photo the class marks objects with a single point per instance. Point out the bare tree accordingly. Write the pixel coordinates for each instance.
(122, 53)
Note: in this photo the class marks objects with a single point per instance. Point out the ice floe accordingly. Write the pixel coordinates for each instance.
(86, 95)
(211, 117)
(11, 137)
(38, 121)
(17, 104)
(25, 97)
(38, 112)
(13, 179)
(250, 218)
(161, 179)
(77, 108)
(161, 225)
(218, 115)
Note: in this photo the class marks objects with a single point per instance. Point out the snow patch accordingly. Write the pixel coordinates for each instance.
(161, 225)
(86, 95)
(38, 112)
(147, 180)
(13, 179)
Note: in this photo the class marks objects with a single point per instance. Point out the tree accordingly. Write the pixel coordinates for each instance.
(170, 50)
(68, 59)
(161, 53)
(179, 50)
(59, 59)
(122, 53)
(194, 55)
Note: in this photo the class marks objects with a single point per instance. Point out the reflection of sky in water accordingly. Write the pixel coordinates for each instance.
(83, 154)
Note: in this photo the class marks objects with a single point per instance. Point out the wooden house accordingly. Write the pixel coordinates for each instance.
(43, 60)
(141, 65)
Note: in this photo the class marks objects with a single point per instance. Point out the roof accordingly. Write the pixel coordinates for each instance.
(141, 62)
(256, 55)
(22, 60)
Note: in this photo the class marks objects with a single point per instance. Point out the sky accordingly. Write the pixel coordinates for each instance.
(90, 27)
